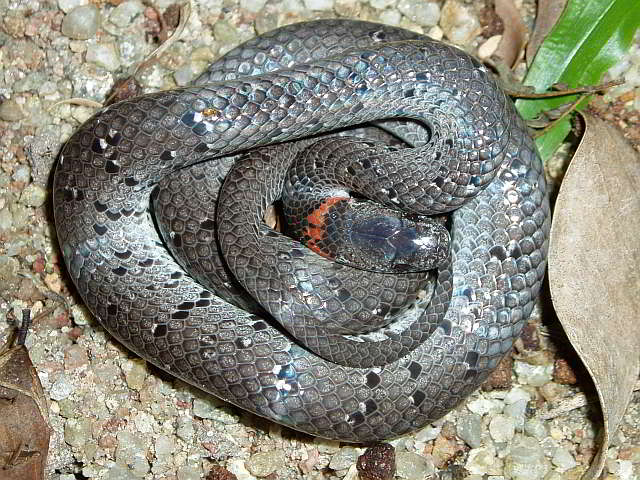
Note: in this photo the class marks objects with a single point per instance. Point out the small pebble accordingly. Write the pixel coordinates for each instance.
(164, 446)
(104, 55)
(144, 422)
(82, 22)
(382, 4)
(67, 408)
(116, 472)
(563, 459)
(132, 452)
(489, 47)
(81, 315)
(535, 428)
(38, 150)
(11, 111)
(534, 375)
(484, 405)
(390, 17)
(135, 372)
(348, 8)
(377, 463)
(77, 431)
(502, 428)
(262, 464)
(237, 467)
(444, 449)
(326, 446)
(549, 446)
(33, 195)
(436, 33)
(530, 337)
(469, 429)
(563, 372)
(516, 394)
(226, 34)
(265, 22)
(412, 466)
(188, 472)
(458, 23)
(208, 408)
(216, 472)
(75, 356)
(124, 14)
(318, 4)
(344, 458)
(626, 470)
(631, 453)
(90, 448)
(482, 461)
(252, 5)
(185, 429)
(14, 23)
(187, 72)
(61, 388)
(21, 174)
(6, 220)
(553, 475)
(526, 460)
(518, 412)
(421, 12)
(428, 433)
(67, 5)
(552, 392)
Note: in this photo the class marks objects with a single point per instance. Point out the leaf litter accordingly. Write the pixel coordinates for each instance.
(594, 268)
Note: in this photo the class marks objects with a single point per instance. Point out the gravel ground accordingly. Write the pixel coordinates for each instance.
(116, 417)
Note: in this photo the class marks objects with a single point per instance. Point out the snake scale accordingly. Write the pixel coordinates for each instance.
(476, 160)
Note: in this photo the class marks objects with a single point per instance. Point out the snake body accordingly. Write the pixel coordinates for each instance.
(296, 82)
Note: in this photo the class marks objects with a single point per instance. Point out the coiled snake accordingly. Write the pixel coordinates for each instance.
(416, 363)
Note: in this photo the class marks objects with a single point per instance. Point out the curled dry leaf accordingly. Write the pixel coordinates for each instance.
(24, 428)
(594, 268)
(549, 12)
(514, 35)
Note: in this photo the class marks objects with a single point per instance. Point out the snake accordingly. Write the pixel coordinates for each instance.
(463, 151)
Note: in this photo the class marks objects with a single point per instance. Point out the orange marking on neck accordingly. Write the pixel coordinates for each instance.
(317, 224)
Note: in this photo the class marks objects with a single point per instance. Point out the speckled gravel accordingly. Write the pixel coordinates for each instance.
(114, 416)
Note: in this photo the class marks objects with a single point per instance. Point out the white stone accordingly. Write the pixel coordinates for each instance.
(104, 55)
(382, 4)
(563, 460)
(67, 5)
(319, 4)
(489, 47)
(421, 12)
(502, 428)
(390, 17)
(458, 23)
(482, 461)
(252, 5)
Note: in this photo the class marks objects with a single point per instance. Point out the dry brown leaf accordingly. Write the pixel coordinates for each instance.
(514, 34)
(547, 15)
(594, 268)
(24, 426)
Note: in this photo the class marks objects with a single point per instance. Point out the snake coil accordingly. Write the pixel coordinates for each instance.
(293, 83)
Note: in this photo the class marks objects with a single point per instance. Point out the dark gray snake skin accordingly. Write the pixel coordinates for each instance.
(295, 82)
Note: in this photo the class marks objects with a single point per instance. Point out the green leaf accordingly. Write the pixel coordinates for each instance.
(589, 38)
(552, 139)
